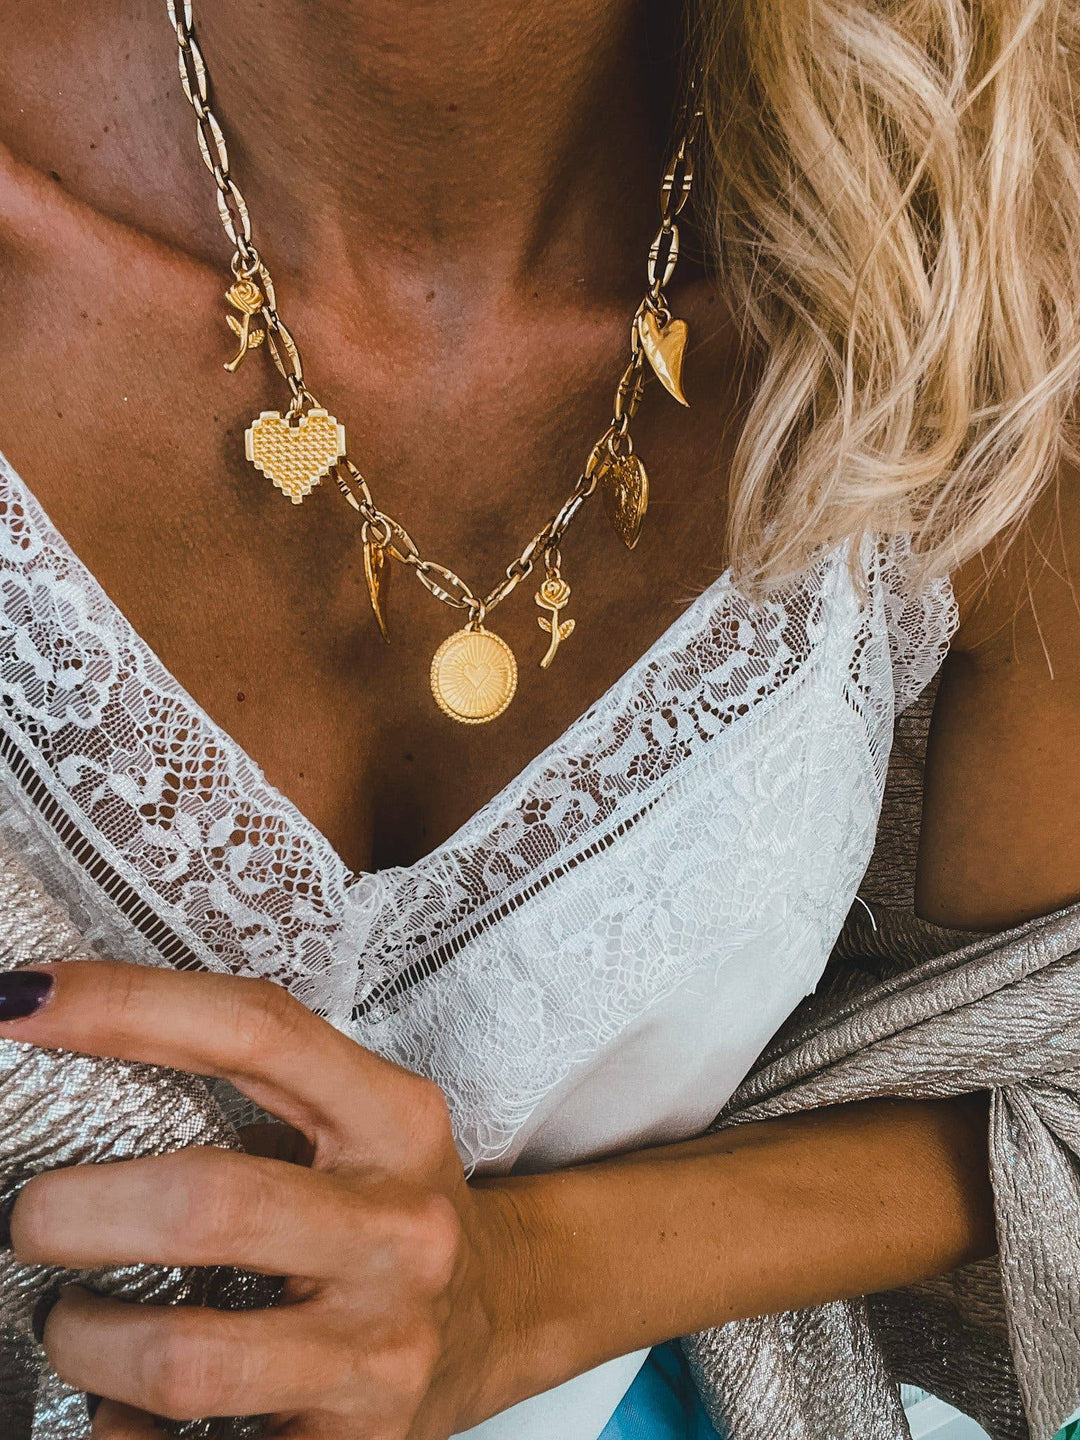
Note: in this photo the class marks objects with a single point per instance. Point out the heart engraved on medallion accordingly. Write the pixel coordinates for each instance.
(294, 457)
(476, 675)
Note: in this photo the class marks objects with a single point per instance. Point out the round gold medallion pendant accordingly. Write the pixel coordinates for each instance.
(473, 675)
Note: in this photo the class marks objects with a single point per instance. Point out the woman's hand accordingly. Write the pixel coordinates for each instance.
(417, 1305)
(400, 1315)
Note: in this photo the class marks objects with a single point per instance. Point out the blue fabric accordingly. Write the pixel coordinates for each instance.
(662, 1403)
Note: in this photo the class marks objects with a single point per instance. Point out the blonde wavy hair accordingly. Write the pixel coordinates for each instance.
(895, 189)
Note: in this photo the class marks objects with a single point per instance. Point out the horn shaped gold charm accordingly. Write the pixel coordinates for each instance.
(664, 346)
(377, 576)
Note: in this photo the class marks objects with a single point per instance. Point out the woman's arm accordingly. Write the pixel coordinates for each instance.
(1000, 838)
(861, 1197)
(773, 1215)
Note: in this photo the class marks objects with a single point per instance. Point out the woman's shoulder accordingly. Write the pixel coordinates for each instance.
(1019, 603)
(1001, 829)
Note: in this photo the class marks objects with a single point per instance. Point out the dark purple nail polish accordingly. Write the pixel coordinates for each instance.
(22, 992)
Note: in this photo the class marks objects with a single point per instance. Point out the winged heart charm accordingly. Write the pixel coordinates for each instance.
(625, 488)
(664, 347)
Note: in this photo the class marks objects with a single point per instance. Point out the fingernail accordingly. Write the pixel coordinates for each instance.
(5, 1228)
(42, 1311)
(92, 1403)
(22, 992)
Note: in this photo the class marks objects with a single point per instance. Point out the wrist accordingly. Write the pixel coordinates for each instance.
(528, 1302)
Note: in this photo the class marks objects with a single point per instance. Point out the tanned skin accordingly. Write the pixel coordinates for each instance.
(455, 200)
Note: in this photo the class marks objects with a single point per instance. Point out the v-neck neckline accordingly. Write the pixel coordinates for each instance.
(503, 801)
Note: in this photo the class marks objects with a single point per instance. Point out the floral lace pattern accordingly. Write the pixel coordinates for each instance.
(728, 785)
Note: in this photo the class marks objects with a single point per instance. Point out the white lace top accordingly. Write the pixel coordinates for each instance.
(591, 962)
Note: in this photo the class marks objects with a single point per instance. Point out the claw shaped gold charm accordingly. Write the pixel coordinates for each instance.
(246, 297)
(294, 457)
(377, 575)
(664, 346)
(553, 596)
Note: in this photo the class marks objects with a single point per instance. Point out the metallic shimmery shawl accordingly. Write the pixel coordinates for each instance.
(59, 1109)
(908, 1009)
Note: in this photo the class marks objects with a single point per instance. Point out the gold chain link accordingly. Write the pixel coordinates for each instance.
(382, 528)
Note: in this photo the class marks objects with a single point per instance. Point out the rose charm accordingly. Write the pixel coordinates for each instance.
(553, 596)
(246, 297)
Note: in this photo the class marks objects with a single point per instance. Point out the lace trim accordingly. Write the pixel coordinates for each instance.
(921, 621)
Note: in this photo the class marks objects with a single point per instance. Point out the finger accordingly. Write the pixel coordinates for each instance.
(121, 1422)
(201, 1206)
(250, 1032)
(187, 1363)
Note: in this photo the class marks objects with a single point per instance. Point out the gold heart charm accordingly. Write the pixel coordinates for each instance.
(294, 457)
(377, 575)
(626, 496)
(664, 346)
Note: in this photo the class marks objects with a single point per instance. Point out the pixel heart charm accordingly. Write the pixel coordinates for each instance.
(294, 456)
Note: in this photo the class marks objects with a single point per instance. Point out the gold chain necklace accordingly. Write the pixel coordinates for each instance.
(473, 672)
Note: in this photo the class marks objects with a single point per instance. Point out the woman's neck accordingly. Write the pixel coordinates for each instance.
(488, 139)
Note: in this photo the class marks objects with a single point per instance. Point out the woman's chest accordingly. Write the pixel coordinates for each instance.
(134, 445)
